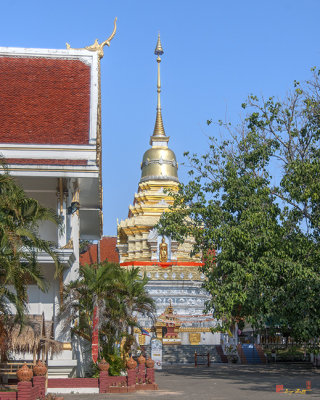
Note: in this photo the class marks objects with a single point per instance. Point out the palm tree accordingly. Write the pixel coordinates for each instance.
(20, 243)
(94, 287)
(135, 301)
(120, 295)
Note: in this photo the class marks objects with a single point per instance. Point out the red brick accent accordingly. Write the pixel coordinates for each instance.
(150, 376)
(107, 251)
(34, 394)
(131, 378)
(117, 384)
(24, 390)
(43, 161)
(141, 376)
(8, 395)
(40, 382)
(117, 380)
(124, 389)
(44, 100)
(147, 386)
(73, 383)
(104, 382)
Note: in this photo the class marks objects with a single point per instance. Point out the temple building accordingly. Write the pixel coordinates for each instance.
(50, 138)
(175, 278)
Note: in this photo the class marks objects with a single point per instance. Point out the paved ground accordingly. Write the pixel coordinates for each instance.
(224, 381)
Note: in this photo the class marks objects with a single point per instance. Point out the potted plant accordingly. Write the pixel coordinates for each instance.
(231, 353)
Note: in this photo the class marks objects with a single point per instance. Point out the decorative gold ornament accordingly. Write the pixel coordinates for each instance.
(69, 245)
(172, 324)
(66, 346)
(187, 329)
(96, 46)
(61, 195)
(163, 251)
(142, 339)
(194, 338)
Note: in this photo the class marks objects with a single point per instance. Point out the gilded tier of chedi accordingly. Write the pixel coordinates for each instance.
(175, 278)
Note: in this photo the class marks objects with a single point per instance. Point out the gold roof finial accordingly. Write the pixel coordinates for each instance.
(158, 127)
(96, 46)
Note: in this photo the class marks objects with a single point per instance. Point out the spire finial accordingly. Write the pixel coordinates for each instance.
(158, 50)
(158, 127)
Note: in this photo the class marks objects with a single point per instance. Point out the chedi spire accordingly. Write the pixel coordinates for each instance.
(158, 127)
(159, 162)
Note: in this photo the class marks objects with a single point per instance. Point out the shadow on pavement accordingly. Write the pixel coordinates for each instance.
(256, 378)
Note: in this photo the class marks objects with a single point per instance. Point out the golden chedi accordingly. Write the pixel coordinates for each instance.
(175, 278)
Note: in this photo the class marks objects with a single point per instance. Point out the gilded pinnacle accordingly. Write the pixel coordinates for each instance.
(159, 50)
(158, 127)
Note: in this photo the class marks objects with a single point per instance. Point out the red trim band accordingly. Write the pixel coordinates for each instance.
(162, 264)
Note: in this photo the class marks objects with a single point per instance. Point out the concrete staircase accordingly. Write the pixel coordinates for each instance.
(221, 354)
(250, 353)
(184, 354)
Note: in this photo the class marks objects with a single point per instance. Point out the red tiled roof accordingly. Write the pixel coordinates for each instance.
(42, 161)
(44, 100)
(107, 252)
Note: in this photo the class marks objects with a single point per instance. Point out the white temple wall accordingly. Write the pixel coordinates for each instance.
(39, 301)
(184, 338)
(47, 229)
(210, 338)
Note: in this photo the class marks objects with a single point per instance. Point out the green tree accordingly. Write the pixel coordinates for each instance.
(20, 243)
(254, 199)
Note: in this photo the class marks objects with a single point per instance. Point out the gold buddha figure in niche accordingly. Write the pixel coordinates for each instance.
(163, 251)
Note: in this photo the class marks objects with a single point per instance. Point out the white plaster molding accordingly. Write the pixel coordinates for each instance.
(66, 256)
(94, 92)
(73, 390)
(44, 147)
(158, 143)
(55, 171)
(48, 53)
(49, 153)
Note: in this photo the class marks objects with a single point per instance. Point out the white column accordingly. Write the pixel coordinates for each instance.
(74, 219)
(62, 212)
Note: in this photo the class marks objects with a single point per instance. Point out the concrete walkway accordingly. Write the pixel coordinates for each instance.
(225, 381)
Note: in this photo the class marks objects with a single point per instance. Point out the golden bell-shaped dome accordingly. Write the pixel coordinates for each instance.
(159, 163)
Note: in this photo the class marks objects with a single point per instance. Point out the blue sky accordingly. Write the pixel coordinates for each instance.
(216, 53)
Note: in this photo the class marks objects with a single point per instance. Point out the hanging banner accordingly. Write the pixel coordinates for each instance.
(156, 353)
(95, 334)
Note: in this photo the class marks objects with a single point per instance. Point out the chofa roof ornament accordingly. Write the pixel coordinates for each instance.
(96, 46)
